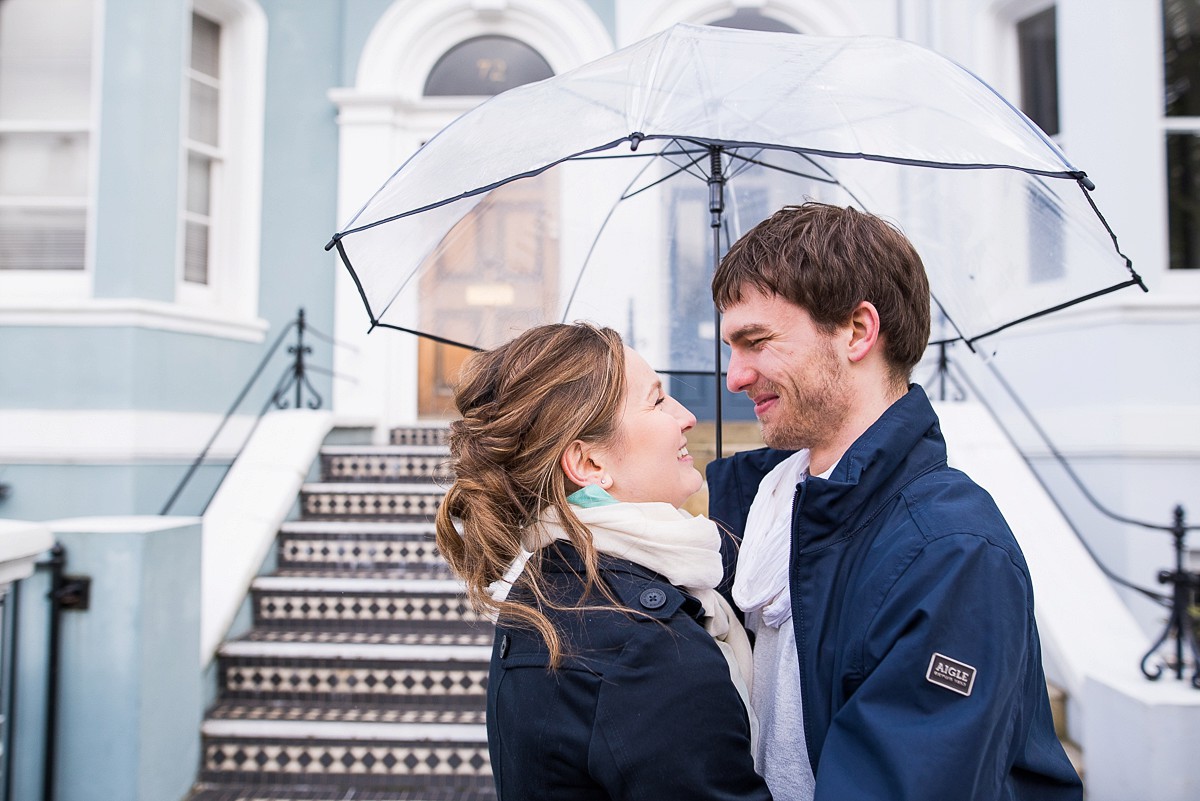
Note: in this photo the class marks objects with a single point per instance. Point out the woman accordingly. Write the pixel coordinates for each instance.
(615, 663)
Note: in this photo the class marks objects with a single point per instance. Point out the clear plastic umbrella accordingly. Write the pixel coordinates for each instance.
(607, 193)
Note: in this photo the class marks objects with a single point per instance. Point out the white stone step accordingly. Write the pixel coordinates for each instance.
(322, 730)
(357, 585)
(385, 450)
(357, 651)
(324, 527)
(365, 487)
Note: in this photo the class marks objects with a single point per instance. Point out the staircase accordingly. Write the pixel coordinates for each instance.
(364, 675)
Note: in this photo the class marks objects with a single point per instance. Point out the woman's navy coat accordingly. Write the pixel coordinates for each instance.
(920, 665)
(642, 706)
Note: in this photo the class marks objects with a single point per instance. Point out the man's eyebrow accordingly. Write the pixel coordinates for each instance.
(747, 331)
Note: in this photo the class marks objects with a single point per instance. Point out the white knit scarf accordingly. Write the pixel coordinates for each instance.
(685, 550)
(761, 581)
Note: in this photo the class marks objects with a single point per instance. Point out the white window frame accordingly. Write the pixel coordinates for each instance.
(235, 210)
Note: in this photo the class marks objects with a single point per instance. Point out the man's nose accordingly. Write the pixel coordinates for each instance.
(739, 375)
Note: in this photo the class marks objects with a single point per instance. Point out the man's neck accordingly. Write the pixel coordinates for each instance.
(863, 415)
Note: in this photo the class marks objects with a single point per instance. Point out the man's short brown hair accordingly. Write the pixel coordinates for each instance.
(827, 260)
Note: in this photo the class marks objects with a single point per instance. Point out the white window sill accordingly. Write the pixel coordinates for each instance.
(130, 313)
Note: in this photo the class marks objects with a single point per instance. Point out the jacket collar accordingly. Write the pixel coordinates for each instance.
(903, 443)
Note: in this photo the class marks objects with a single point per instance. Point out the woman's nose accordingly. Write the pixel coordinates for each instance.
(687, 420)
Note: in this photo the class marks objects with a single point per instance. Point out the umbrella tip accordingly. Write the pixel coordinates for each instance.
(1085, 181)
(332, 243)
(635, 139)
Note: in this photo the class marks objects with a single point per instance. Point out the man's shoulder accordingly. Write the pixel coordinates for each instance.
(947, 503)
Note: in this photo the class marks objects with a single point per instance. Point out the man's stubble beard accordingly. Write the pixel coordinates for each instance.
(814, 403)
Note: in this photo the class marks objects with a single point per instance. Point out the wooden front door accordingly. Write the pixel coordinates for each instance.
(495, 274)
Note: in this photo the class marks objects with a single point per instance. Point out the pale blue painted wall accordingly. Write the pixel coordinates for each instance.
(131, 701)
(139, 154)
(53, 491)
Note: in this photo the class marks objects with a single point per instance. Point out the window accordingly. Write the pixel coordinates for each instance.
(750, 19)
(1181, 106)
(203, 144)
(45, 128)
(485, 65)
(1037, 52)
(220, 161)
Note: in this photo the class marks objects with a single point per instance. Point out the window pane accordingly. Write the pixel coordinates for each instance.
(43, 165)
(195, 253)
(1183, 200)
(42, 239)
(206, 46)
(486, 65)
(749, 19)
(202, 113)
(45, 59)
(1181, 57)
(1037, 43)
(199, 184)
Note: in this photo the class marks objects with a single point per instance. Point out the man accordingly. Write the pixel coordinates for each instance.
(896, 655)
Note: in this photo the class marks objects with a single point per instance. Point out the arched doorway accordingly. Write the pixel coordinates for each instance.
(479, 279)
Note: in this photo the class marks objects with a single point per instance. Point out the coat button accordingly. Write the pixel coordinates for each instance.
(504, 646)
(653, 598)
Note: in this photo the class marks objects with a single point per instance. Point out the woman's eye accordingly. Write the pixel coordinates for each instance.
(661, 401)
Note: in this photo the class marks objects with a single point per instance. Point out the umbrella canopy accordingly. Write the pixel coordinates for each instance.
(592, 195)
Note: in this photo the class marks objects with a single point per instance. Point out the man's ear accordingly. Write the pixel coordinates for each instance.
(582, 464)
(864, 331)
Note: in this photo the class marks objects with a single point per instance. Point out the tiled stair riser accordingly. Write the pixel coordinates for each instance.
(369, 502)
(350, 682)
(365, 609)
(350, 466)
(360, 551)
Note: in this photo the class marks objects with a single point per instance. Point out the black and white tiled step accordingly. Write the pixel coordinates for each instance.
(364, 545)
(336, 602)
(394, 756)
(376, 674)
(414, 463)
(351, 501)
(420, 435)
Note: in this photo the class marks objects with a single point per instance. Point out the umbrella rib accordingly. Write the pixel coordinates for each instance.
(482, 189)
(626, 195)
(433, 337)
(733, 154)
(357, 283)
(1135, 281)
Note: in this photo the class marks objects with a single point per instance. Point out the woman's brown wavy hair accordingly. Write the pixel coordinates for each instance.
(522, 405)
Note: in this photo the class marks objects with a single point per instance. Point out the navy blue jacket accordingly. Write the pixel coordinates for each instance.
(642, 706)
(920, 664)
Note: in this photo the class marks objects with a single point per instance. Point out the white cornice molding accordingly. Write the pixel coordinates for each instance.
(130, 313)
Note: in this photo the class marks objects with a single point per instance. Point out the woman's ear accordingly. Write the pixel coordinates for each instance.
(581, 463)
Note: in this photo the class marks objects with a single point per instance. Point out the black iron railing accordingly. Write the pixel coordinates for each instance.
(293, 382)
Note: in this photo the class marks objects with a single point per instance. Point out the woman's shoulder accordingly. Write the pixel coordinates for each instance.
(644, 610)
